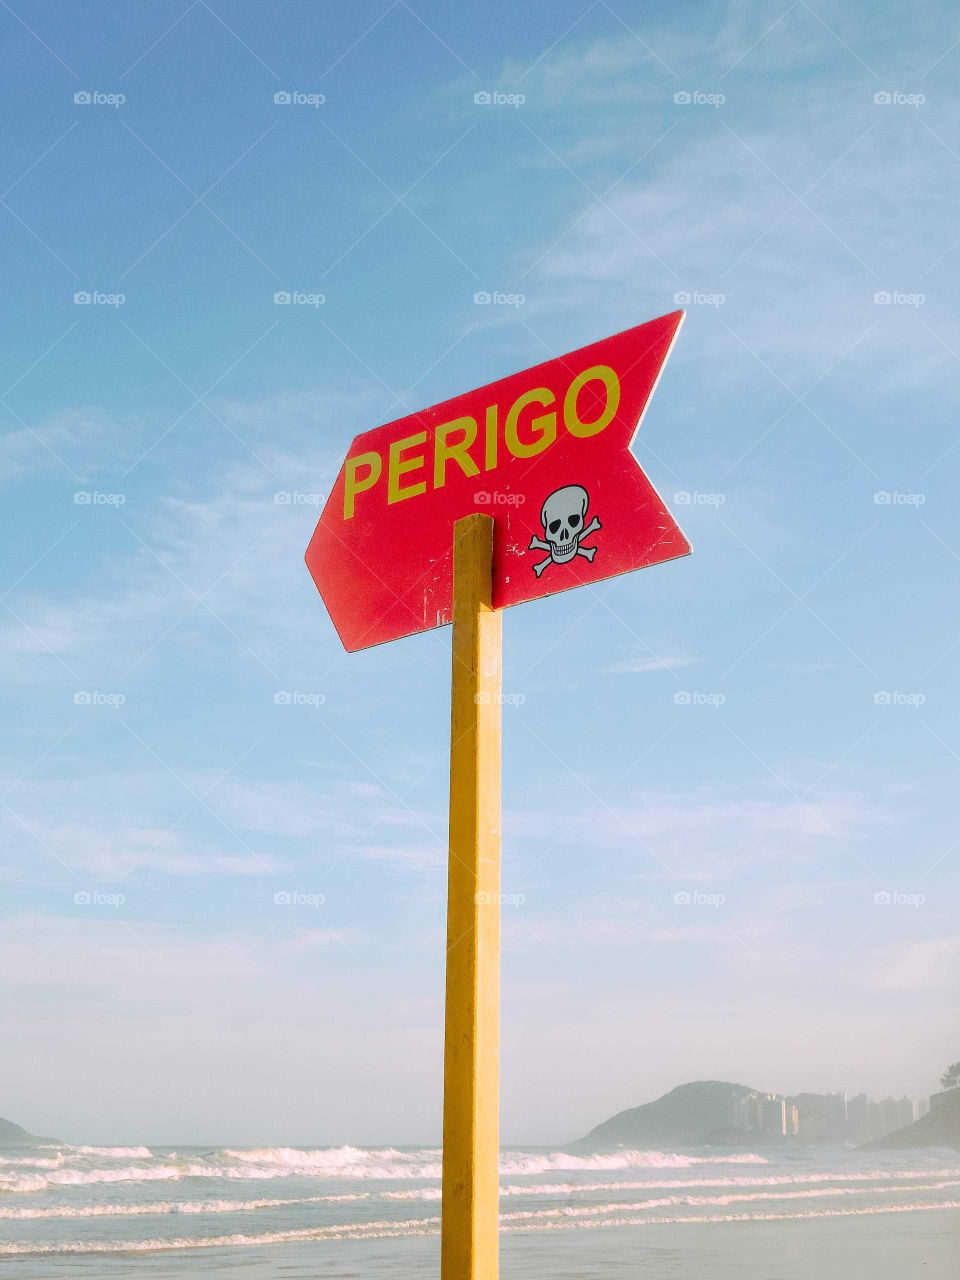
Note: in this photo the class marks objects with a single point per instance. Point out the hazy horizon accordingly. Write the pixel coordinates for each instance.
(270, 1140)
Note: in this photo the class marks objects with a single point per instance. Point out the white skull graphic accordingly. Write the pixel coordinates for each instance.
(562, 520)
(562, 516)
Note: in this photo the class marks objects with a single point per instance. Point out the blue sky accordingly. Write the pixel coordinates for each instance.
(729, 782)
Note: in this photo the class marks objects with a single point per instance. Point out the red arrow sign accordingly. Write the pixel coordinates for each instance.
(546, 452)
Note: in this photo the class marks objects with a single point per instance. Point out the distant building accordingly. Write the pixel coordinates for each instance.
(937, 1099)
(825, 1117)
(889, 1115)
(867, 1119)
(822, 1116)
(875, 1114)
(773, 1115)
(906, 1112)
(858, 1118)
(769, 1114)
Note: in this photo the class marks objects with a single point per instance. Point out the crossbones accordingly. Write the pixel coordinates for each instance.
(562, 518)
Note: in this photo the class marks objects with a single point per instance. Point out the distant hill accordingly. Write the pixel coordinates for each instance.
(689, 1115)
(940, 1127)
(11, 1135)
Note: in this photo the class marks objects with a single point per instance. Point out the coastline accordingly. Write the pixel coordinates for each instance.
(828, 1248)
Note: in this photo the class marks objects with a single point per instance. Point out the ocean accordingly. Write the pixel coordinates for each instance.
(372, 1213)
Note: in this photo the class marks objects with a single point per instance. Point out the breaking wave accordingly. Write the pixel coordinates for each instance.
(387, 1164)
(113, 1153)
(766, 1179)
(198, 1207)
(336, 1162)
(33, 1162)
(665, 1202)
(541, 1220)
(163, 1207)
(674, 1184)
(520, 1163)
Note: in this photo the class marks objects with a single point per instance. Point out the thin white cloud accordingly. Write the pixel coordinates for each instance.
(929, 964)
(72, 444)
(640, 665)
(791, 217)
(192, 569)
(707, 833)
(113, 854)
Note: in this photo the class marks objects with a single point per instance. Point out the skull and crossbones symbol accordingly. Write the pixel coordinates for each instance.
(562, 516)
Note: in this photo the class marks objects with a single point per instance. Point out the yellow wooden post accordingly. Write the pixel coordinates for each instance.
(469, 1244)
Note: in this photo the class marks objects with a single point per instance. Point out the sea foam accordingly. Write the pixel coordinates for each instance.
(547, 1221)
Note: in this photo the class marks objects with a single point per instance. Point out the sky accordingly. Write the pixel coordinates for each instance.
(730, 781)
